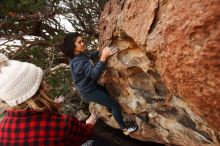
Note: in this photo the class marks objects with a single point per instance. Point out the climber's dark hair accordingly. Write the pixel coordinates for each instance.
(69, 44)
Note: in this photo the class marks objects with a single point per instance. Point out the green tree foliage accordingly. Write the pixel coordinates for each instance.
(38, 19)
(22, 6)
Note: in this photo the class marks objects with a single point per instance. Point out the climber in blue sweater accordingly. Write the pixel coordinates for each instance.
(85, 75)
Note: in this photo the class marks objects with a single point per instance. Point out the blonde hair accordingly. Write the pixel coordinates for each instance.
(40, 101)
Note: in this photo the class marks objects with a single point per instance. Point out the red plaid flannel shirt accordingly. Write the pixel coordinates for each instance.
(29, 127)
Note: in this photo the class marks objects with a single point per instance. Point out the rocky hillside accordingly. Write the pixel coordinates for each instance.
(166, 75)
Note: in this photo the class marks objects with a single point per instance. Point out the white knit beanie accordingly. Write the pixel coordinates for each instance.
(19, 81)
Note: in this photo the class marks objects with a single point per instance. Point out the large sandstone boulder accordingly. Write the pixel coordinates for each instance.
(166, 75)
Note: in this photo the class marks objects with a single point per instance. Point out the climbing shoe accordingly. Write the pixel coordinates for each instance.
(130, 129)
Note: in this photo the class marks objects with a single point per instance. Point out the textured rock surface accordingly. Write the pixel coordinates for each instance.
(166, 76)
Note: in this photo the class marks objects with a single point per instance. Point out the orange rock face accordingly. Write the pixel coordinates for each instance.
(166, 75)
(190, 62)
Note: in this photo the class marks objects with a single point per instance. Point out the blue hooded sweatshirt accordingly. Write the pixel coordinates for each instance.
(84, 73)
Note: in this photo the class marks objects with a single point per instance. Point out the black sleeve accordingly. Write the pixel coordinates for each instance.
(93, 54)
(93, 71)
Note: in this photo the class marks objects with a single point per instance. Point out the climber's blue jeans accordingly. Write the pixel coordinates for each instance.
(101, 96)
